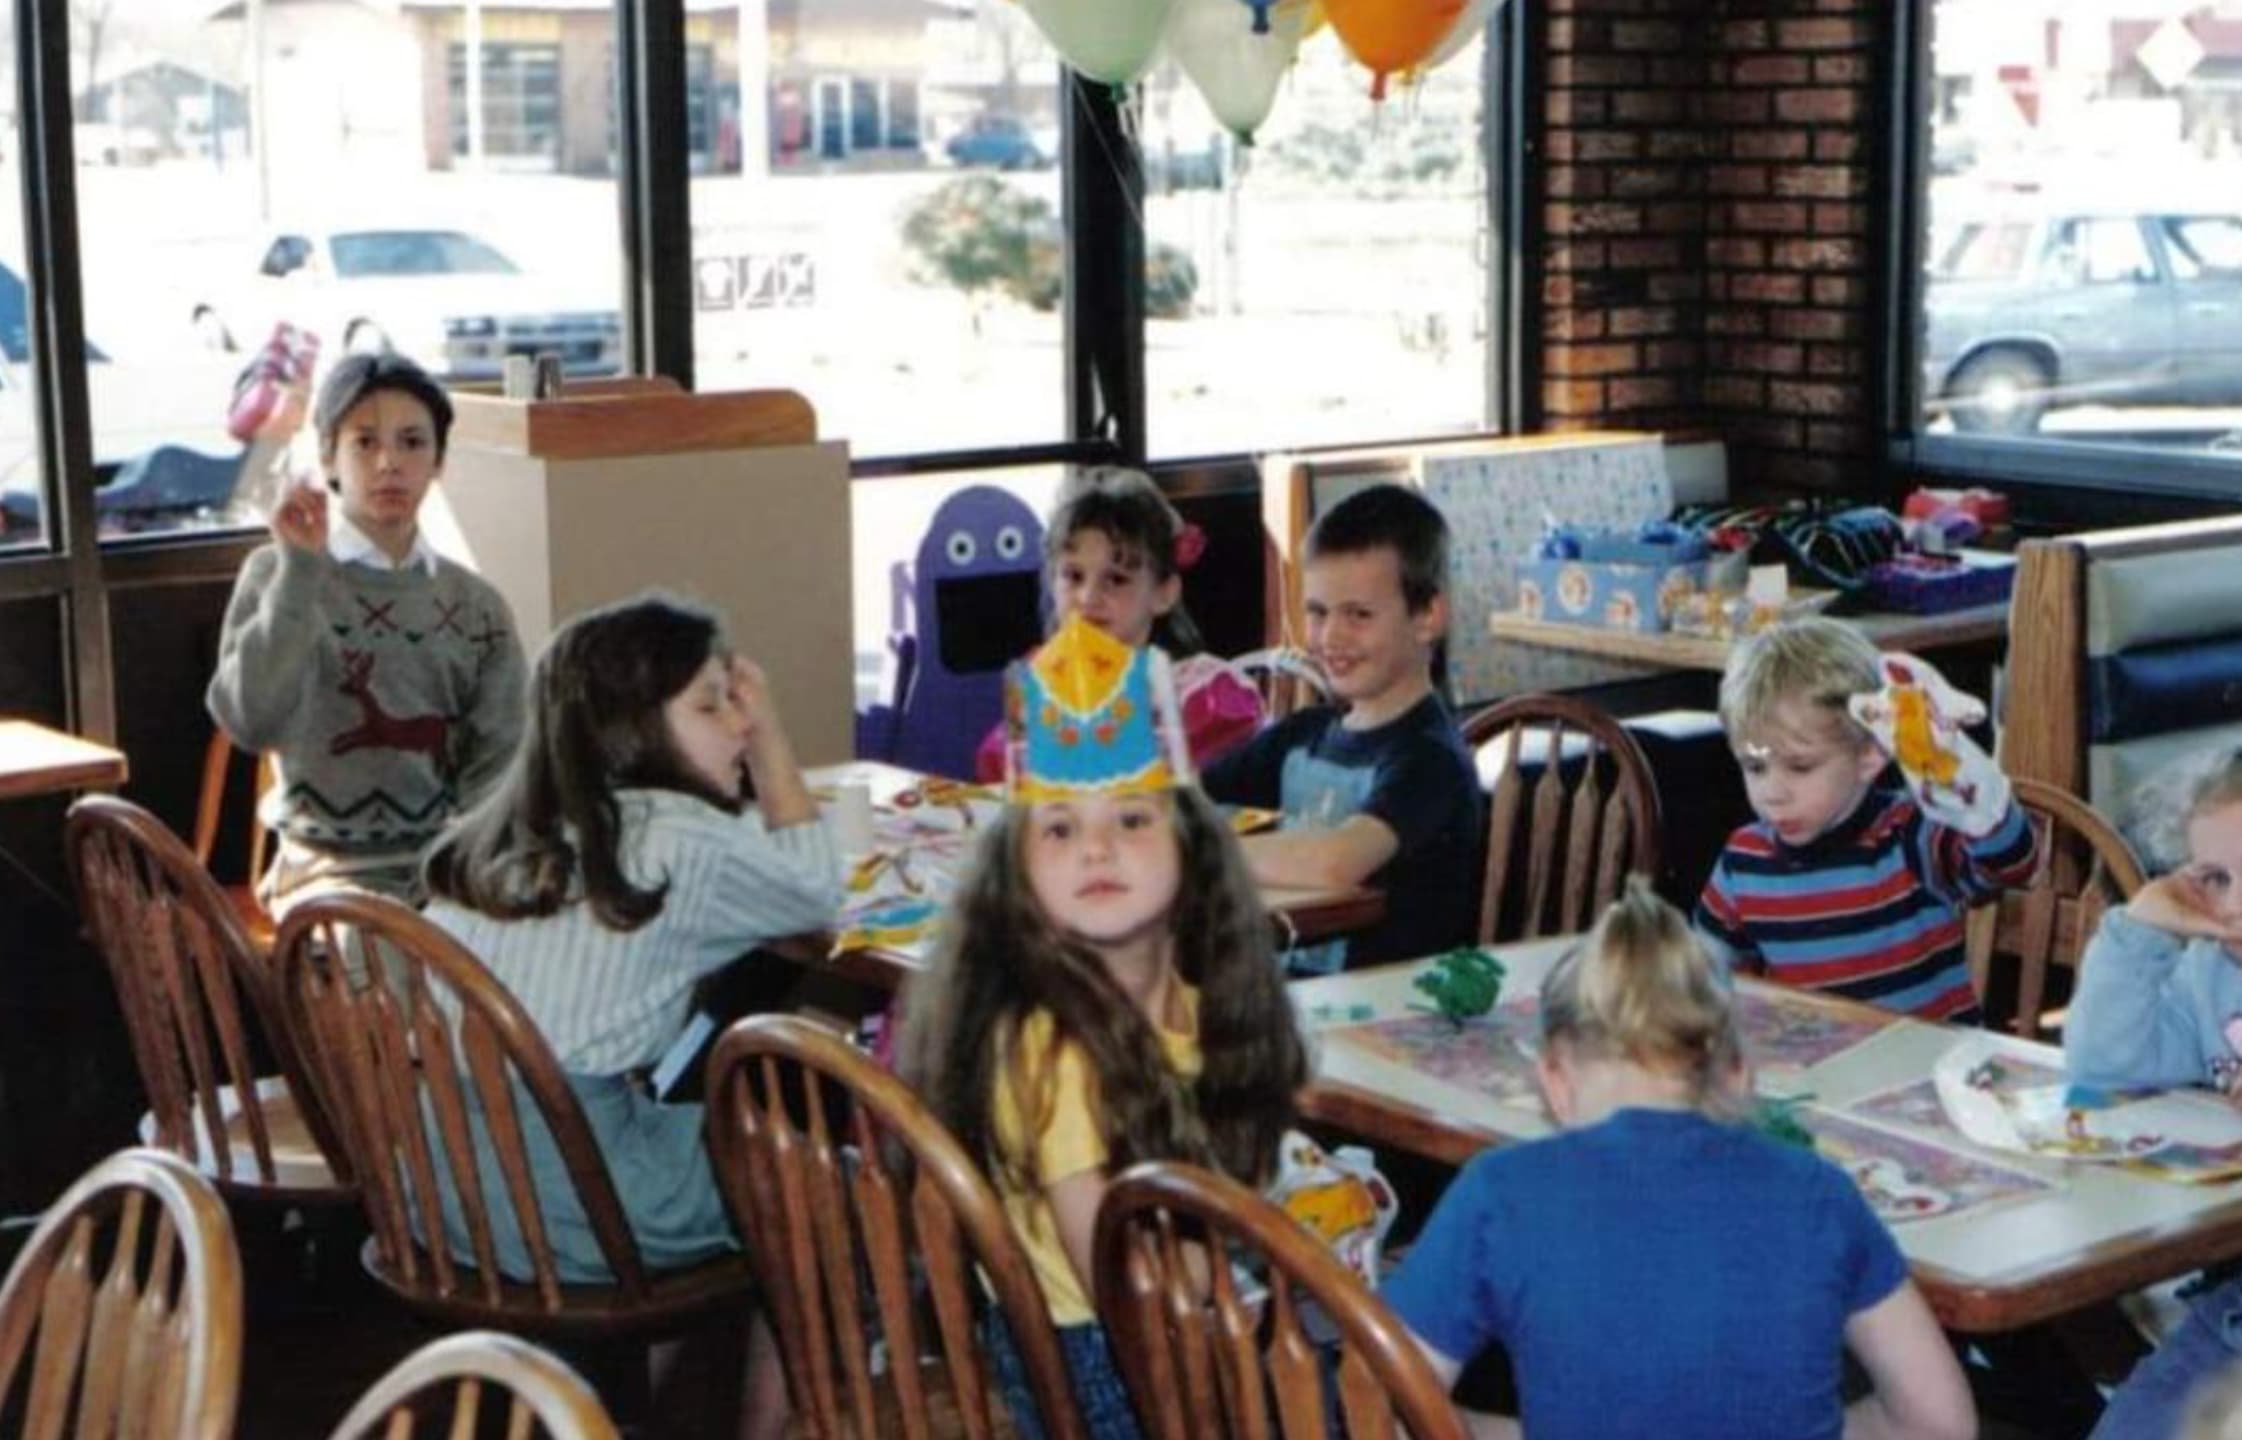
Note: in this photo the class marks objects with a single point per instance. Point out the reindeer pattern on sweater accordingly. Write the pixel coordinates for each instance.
(392, 698)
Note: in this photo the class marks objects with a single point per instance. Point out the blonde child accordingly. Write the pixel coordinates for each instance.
(2159, 1002)
(1848, 881)
(1114, 553)
(1657, 1268)
(387, 679)
(1105, 993)
(617, 863)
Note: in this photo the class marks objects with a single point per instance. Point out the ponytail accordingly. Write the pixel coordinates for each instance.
(1641, 988)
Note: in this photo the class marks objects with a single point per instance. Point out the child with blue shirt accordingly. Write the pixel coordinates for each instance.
(2159, 1002)
(1848, 881)
(1657, 1268)
(1378, 789)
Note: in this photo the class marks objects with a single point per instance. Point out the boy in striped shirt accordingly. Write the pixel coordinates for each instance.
(1849, 880)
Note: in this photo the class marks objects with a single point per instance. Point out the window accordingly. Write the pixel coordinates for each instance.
(1328, 284)
(887, 241)
(386, 232)
(2082, 296)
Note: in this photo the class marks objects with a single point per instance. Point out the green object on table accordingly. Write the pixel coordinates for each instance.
(1463, 983)
(1778, 1120)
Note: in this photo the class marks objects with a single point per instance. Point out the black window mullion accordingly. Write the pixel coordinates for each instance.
(655, 197)
(56, 322)
(1104, 189)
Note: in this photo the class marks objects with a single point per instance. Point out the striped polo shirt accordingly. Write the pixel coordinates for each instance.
(1870, 909)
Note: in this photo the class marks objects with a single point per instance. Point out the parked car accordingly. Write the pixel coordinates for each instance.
(447, 298)
(1001, 142)
(2083, 305)
(159, 435)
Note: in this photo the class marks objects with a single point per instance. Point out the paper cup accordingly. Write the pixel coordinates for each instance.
(850, 815)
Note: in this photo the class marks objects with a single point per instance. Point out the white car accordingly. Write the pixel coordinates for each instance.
(448, 299)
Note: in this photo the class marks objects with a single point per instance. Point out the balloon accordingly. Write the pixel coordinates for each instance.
(1468, 27)
(1237, 70)
(1260, 14)
(1316, 19)
(1391, 36)
(1111, 41)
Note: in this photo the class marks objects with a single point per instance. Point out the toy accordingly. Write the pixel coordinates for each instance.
(1777, 1119)
(1918, 718)
(1464, 983)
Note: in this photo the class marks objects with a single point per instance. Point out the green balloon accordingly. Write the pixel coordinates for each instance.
(1112, 41)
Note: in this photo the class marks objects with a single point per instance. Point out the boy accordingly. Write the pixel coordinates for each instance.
(1848, 882)
(389, 680)
(1378, 789)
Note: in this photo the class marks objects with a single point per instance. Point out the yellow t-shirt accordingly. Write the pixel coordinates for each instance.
(1045, 1109)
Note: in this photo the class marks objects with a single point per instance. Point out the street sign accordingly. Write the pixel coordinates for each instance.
(755, 282)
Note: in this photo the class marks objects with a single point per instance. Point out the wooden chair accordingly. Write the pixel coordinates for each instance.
(1560, 845)
(533, 1388)
(1201, 1359)
(1287, 679)
(837, 1173)
(428, 1032)
(210, 804)
(198, 1006)
(2085, 867)
(132, 1288)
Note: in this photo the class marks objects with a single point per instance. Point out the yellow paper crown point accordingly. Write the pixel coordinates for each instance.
(1081, 666)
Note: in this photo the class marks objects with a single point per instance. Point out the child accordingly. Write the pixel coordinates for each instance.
(2159, 1002)
(388, 679)
(1377, 790)
(616, 865)
(1114, 553)
(1847, 882)
(1104, 993)
(1656, 1268)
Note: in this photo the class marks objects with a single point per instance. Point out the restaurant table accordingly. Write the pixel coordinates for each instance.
(1976, 627)
(1300, 914)
(35, 760)
(2100, 1233)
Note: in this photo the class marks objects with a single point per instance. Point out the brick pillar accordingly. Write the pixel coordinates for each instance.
(1707, 207)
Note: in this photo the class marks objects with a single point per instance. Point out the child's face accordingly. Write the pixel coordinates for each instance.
(1360, 629)
(708, 728)
(1118, 595)
(2215, 859)
(385, 460)
(1806, 770)
(1105, 870)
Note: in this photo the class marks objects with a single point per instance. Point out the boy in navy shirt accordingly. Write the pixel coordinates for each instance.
(1378, 789)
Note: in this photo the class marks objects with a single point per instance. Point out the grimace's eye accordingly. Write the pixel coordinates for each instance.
(960, 547)
(1010, 543)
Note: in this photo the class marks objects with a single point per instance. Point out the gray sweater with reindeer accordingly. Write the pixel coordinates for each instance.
(392, 698)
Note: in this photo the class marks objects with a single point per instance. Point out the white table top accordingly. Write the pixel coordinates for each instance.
(2099, 1227)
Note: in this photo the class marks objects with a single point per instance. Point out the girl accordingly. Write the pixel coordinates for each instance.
(1105, 993)
(1114, 553)
(388, 680)
(614, 866)
(2159, 1002)
(1657, 1269)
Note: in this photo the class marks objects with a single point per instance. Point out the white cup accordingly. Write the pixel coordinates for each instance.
(850, 816)
(519, 378)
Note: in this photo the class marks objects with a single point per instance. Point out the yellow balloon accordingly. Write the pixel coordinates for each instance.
(1316, 19)
(1391, 36)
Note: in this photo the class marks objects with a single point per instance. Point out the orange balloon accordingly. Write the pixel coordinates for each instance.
(1391, 36)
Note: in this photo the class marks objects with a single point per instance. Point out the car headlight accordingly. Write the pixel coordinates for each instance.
(460, 327)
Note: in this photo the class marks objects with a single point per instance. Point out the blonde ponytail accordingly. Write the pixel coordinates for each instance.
(1641, 988)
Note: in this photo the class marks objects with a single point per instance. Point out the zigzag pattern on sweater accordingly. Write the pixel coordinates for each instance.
(377, 799)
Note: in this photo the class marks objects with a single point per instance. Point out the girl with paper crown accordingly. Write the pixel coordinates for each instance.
(1105, 991)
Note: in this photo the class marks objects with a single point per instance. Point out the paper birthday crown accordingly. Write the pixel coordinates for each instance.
(1088, 715)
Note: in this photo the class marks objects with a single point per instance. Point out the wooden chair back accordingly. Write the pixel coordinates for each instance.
(2085, 867)
(199, 1010)
(1202, 1358)
(527, 1387)
(836, 1172)
(210, 805)
(1560, 844)
(408, 1040)
(1286, 678)
(127, 1304)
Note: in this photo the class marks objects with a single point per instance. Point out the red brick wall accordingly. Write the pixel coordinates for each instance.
(1706, 207)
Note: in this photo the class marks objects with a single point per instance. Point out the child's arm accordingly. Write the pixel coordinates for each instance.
(1718, 922)
(1074, 1208)
(1322, 857)
(1973, 868)
(496, 718)
(2134, 1019)
(1917, 1389)
(780, 791)
(1252, 774)
(271, 629)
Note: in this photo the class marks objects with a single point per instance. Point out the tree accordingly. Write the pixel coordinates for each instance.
(90, 33)
(977, 233)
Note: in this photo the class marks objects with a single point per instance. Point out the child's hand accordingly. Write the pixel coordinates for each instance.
(751, 692)
(2181, 904)
(300, 517)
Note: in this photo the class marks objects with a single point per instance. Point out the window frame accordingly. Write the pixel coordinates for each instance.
(2062, 464)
